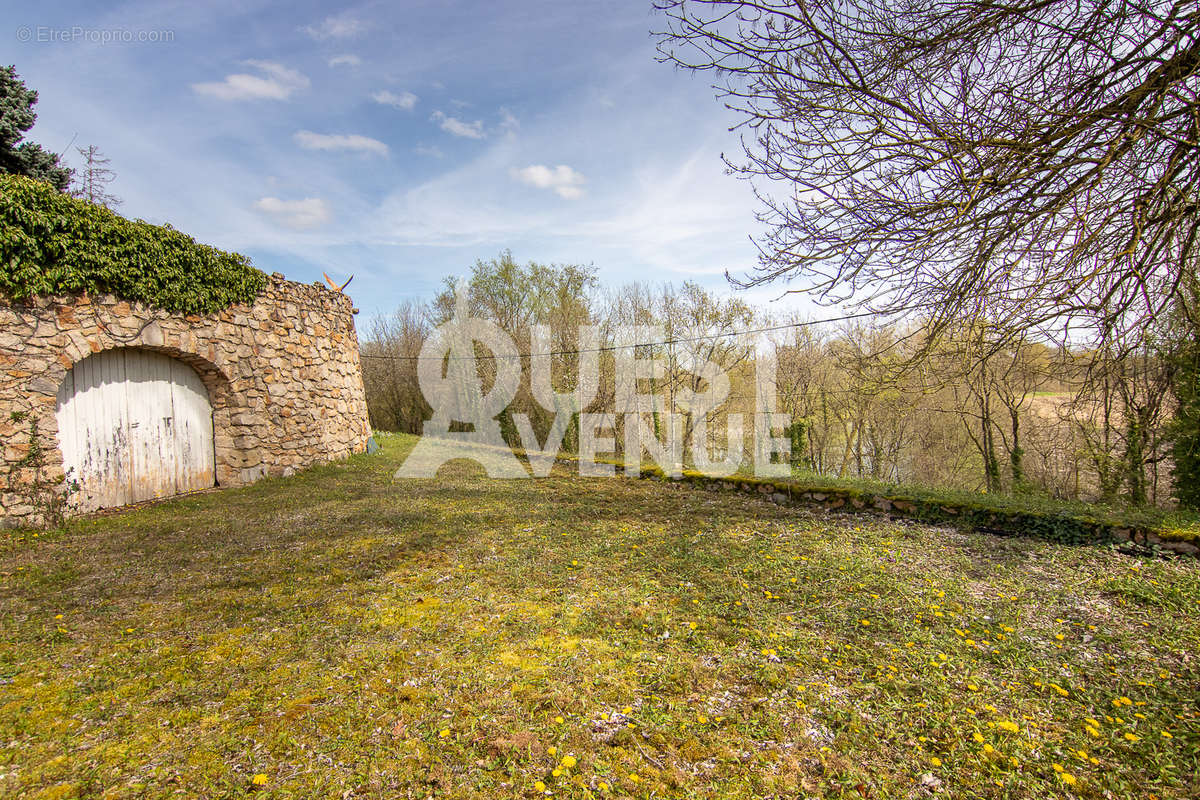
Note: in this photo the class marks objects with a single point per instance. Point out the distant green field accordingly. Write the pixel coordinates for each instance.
(340, 635)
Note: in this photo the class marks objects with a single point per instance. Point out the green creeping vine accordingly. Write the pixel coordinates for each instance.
(53, 244)
(51, 499)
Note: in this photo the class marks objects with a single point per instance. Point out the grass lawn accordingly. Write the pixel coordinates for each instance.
(338, 635)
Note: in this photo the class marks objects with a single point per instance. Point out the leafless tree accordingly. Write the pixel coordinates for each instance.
(1030, 162)
(389, 361)
(91, 181)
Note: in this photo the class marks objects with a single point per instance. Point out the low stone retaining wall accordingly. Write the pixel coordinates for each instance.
(1063, 528)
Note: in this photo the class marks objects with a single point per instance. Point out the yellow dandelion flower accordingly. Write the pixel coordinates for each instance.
(552, 751)
(1133, 737)
(935, 761)
(259, 780)
(559, 720)
(569, 761)
(539, 786)
(1067, 778)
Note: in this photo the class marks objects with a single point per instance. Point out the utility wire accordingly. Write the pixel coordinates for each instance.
(667, 342)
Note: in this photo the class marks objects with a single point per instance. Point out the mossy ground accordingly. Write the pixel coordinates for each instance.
(336, 634)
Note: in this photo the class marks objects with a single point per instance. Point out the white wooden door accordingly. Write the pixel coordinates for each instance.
(134, 425)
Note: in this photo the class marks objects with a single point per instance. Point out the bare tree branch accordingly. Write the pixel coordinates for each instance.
(1032, 162)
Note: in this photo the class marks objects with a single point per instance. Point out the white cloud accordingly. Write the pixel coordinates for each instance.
(405, 101)
(296, 214)
(345, 60)
(340, 141)
(336, 27)
(562, 180)
(276, 82)
(454, 125)
(433, 151)
(680, 214)
(508, 122)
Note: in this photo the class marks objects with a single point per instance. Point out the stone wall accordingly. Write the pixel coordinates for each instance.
(283, 378)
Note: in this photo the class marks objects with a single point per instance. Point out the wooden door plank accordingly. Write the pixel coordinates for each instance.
(134, 425)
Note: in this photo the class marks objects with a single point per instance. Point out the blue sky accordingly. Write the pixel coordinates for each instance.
(398, 141)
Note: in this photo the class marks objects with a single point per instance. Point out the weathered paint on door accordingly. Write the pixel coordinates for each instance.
(134, 425)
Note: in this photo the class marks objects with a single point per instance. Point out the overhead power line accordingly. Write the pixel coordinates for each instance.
(664, 343)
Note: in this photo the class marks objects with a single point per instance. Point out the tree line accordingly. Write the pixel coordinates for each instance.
(970, 406)
(90, 182)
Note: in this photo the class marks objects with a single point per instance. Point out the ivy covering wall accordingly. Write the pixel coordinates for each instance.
(53, 244)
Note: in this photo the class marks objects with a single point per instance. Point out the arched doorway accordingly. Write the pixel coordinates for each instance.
(134, 425)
